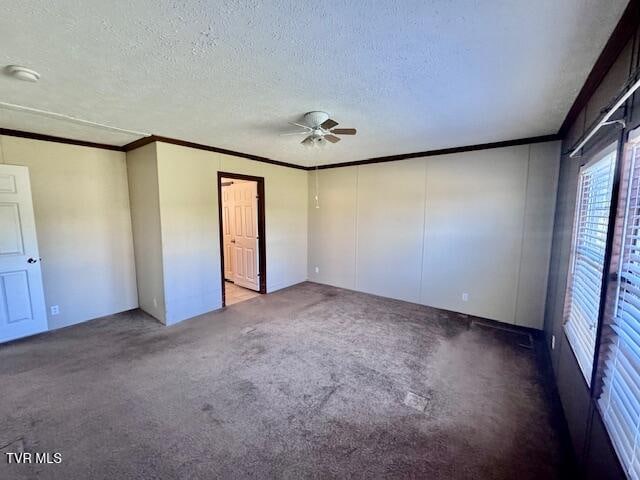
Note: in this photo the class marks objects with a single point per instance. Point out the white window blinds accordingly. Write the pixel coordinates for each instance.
(589, 243)
(619, 401)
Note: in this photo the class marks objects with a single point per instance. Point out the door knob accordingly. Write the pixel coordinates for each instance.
(33, 260)
(233, 240)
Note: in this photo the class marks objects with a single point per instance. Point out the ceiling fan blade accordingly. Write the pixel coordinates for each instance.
(327, 124)
(308, 140)
(344, 131)
(332, 138)
(306, 127)
(294, 133)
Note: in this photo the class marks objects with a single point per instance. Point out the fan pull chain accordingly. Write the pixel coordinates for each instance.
(317, 189)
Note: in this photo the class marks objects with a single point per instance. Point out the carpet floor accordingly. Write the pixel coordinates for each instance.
(308, 382)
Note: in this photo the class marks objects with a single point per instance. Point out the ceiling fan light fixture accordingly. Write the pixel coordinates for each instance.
(320, 129)
(315, 118)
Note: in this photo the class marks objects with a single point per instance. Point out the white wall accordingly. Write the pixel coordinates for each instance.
(428, 230)
(81, 205)
(188, 212)
(142, 171)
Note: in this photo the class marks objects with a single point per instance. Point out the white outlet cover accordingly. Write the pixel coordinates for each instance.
(465, 297)
(55, 309)
(317, 269)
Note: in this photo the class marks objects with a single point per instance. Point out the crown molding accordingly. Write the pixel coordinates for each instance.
(442, 151)
(50, 138)
(174, 141)
(209, 148)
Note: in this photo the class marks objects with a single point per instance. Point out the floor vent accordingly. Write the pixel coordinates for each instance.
(415, 401)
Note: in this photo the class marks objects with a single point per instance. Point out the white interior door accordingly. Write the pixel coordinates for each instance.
(245, 234)
(227, 234)
(22, 308)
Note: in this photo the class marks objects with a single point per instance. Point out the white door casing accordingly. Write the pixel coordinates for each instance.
(22, 306)
(240, 209)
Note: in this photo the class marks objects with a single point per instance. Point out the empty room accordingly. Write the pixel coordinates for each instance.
(282, 239)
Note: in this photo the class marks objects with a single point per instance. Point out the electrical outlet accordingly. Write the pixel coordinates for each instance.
(317, 269)
(465, 297)
(55, 309)
(553, 342)
(155, 302)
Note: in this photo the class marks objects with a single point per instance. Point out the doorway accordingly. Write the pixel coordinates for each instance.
(242, 237)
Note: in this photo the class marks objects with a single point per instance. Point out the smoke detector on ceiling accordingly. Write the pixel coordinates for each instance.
(23, 73)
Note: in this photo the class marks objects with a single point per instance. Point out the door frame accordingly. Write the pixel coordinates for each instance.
(262, 244)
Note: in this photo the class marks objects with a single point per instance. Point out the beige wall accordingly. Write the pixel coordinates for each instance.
(81, 205)
(389, 217)
(333, 225)
(423, 230)
(144, 195)
(188, 212)
(542, 180)
(428, 230)
(285, 215)
(189, 218)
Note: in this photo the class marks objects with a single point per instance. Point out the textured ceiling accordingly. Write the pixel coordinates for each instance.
(410, 75)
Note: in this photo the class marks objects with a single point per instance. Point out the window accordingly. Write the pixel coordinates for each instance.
(584, 285)
(619, 401)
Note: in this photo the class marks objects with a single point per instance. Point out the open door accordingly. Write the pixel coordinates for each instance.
(245, 242)
(240, 232)
(22, 307)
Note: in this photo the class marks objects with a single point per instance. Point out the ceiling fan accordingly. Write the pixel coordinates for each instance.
(320, 129)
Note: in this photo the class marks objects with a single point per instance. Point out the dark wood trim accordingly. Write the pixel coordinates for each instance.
(262, 243)
(221, 242)
(50, 138)
(392, 158)
(141, 142)
(619, 38)
(606, 264)
(155, 138)
(442, 151)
